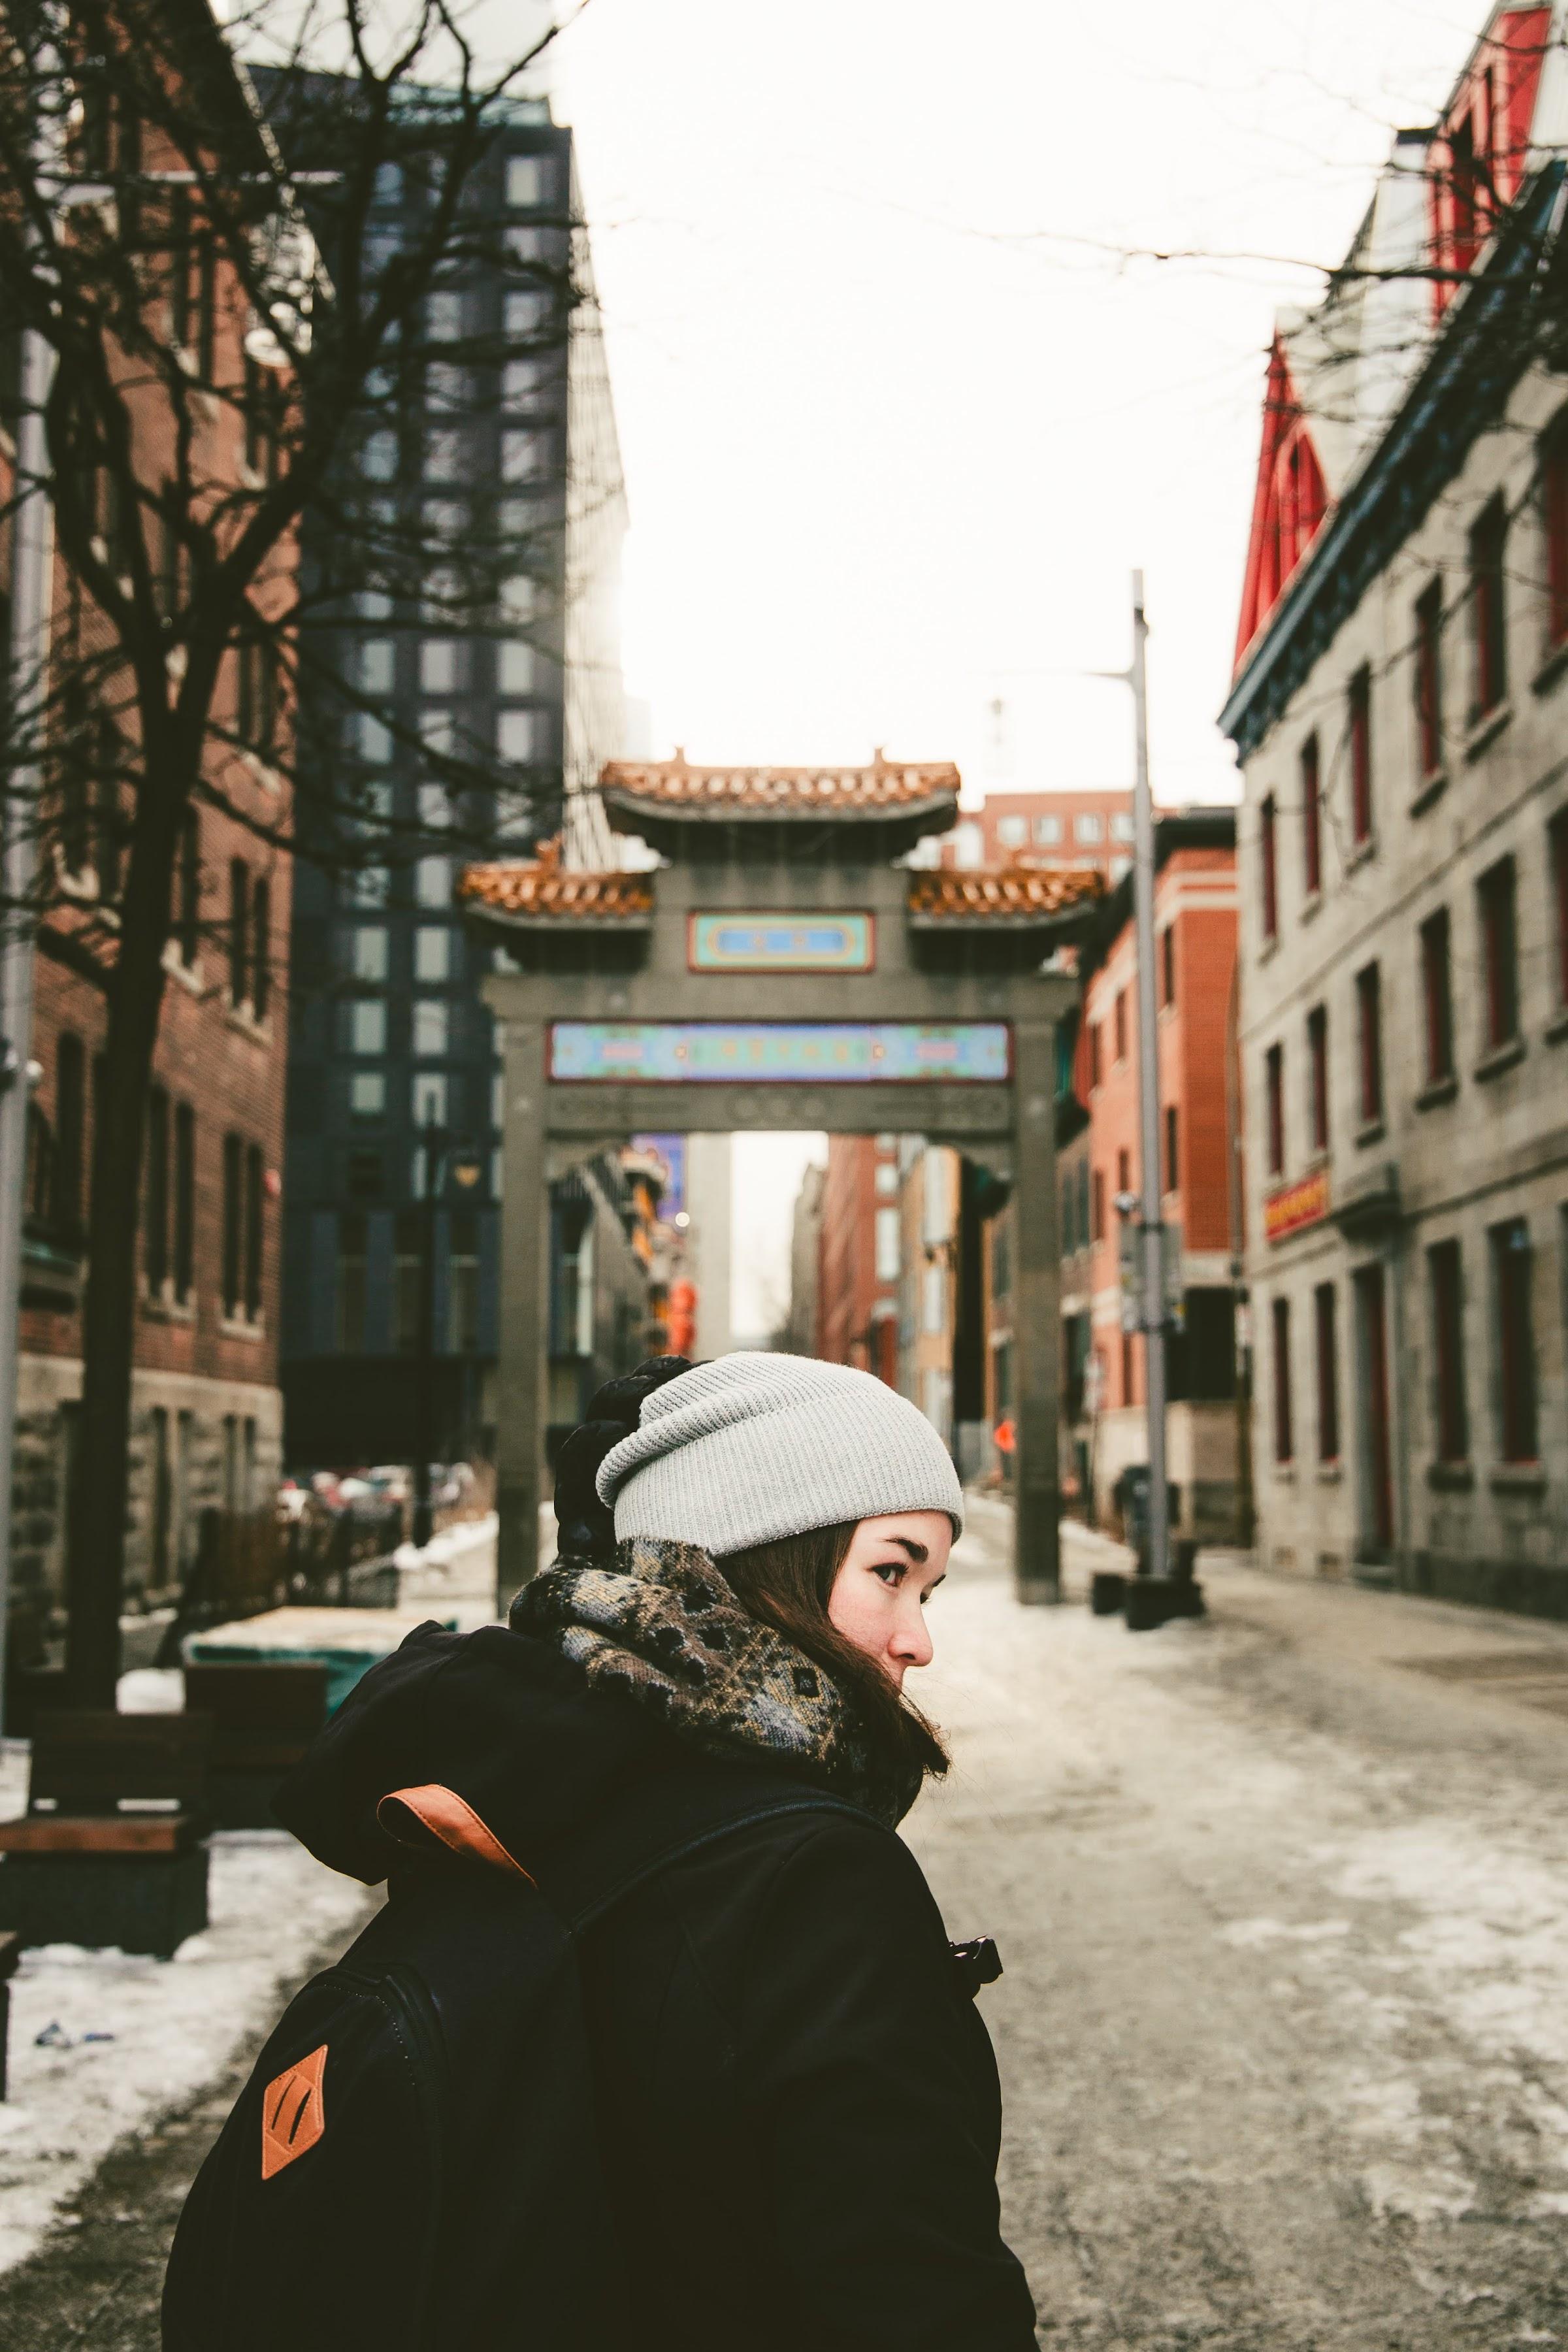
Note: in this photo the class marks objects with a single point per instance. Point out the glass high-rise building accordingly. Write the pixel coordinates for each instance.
(510, 438)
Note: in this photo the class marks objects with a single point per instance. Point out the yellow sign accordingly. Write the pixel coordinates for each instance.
(1296, 1206)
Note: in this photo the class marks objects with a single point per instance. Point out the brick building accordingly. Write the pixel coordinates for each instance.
(862, 1255)
(1070, 828)
(1398, 708)
(1103, 1378)
(206, 1412)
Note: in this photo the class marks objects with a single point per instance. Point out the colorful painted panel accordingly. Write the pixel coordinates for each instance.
(820, 1053)
(763, 942)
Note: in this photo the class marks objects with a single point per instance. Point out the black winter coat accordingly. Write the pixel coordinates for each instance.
(798, 2101)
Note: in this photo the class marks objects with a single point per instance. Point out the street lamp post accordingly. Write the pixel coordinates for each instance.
(441, 1149)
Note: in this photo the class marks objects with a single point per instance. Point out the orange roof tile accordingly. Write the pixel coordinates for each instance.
(885, 786)
(1001, 894)
(541, 887)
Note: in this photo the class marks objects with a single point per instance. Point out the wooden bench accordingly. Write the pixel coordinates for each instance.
(264, 1717)
(111, 1849)
(10, 1953)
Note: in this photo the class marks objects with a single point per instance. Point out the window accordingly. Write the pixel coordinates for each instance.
(1451, 1418)
(524, 455)
(432, 1026)
(1088, 829)
(184, 1201)
(1124, 1172)
(378, 457)
(521, 382)
(1555, 517)
(433, 881)
(1369, 1031)
(1360, 757)
(438, 731)
(1173, 1155)
(1121, 1019)
(525, 311)
(1312, 819)
(1168, 964)
(427, 1098)
(889, 1248)
(1318, 1078)
(1013, 832)
(1121, 826)
(1499, 953)
(233, 1224)
(188, 890)
(1489, 640)
(887, 1177)
(1274, 1097)
(1097, 1196)
(463, 1283)
(1557, 851)
(1268, 867)
(432, 953)
(238, 930)
(525, 181)
(70, 1132)
(518, 734)
(1284, 1436)
(1511, 1262)
(933, 1300)
(443, 454)
(155, 1239)
(1094, 1054)
(367, 1097)
(517, 670)
(1048, 831)
(260, 947)
(444, 316)
(1323, 1320)
(375, 740)
(254, 1193)
(1429, 677)
(256, 701)
(354, 1254)
(367, 1025)
(368, 952)
(438, 665)
(1438, 997)
(446, 388)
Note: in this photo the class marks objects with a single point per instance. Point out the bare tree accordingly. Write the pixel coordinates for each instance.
(237, 342)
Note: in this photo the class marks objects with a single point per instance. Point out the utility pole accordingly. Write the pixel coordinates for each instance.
(1153, 1238)
(27, 666)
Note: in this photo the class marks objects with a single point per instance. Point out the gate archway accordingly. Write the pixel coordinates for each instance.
(782, 969)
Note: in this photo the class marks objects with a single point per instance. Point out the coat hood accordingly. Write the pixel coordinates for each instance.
(489, 1742)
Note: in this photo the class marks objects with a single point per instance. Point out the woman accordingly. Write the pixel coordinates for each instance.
(798, 2109)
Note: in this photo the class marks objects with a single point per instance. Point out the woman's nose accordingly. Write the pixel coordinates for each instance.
(912, 1643)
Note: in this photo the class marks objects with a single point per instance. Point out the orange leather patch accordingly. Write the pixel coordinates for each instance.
(293, 2116)
(446, 1815)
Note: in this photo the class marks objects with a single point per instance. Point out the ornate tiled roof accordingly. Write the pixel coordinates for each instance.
(540, 888)
(1006, 894)
(886, 787)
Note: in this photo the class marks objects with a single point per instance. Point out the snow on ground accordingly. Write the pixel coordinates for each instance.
(171, 2024)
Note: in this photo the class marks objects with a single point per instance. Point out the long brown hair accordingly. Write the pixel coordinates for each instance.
(787, 1584)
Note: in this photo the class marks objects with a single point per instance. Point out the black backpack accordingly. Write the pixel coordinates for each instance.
(412, 2165)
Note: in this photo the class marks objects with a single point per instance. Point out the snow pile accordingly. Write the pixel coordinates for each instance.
(168, 2026)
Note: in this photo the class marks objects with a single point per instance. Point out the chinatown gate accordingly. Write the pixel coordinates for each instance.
(782, 970)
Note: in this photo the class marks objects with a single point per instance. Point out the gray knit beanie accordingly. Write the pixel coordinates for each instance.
(751, 1447)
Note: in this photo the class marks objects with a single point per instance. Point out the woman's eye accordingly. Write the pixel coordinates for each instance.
(890, 1571)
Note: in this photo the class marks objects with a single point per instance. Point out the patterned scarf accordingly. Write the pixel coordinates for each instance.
(662, 1627)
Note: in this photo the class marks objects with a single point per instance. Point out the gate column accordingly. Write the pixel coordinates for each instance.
(524, 1308)
(1036, 1328)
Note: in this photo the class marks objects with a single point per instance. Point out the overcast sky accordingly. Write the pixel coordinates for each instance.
(898, 415)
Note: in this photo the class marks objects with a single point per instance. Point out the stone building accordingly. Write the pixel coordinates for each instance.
(1060, 831)
(1399, 704)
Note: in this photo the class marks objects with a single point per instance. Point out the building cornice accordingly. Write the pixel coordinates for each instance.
(1455, 397)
